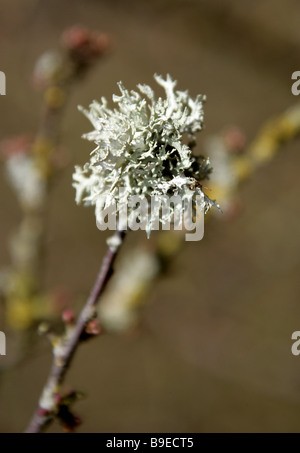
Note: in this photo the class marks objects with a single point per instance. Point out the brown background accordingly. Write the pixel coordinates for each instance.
(213, 350)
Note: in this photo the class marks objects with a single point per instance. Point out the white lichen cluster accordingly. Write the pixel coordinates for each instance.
(140, 149)
(26, 180)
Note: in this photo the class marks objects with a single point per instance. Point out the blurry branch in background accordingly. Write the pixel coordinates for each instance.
(233, 163)
(52, 404)
(31, 165)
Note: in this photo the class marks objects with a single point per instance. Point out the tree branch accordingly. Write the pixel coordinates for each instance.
(46, 411)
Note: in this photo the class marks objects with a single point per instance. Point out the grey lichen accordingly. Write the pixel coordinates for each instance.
(140, 149)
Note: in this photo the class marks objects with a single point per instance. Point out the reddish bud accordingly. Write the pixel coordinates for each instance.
(42, 412)
(234, 139)
(84, 46)
(58, 399)
(15, 145)
(75, 37)
(68, 316)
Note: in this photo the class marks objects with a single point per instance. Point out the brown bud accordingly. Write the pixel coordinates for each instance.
(93, 327)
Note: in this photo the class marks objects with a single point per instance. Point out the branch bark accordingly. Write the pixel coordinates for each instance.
(45, 413)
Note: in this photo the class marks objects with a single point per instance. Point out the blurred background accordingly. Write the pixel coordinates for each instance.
(212, 349)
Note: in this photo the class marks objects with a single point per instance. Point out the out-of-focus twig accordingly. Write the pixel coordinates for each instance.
(31, 166)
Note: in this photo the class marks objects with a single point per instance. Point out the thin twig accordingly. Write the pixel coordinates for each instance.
(45, 415)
